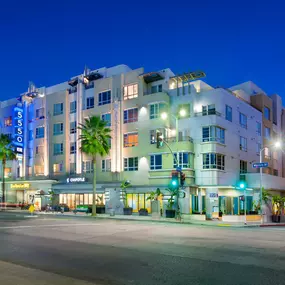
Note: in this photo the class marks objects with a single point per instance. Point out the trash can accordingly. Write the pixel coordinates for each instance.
(112, 212)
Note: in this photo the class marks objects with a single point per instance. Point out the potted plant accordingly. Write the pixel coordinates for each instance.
(124, 185)
(143, 212)
(100, 207)
(277, 206)
(155, 203)
(256, 208)
(170, 212)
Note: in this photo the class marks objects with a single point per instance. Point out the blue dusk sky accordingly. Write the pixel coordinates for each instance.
(47, 42)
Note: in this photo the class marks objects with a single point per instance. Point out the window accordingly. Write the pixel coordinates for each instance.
(58, 109)
(131, 139)
(72, 168)
(258, 128)
(229, 113)
(39, 149)
(131, 164)
(131, 91)
(73, 127)
(57, 148)
(104, 98)
(275, 172)
(87, 166)
(39, 170)
(156, 109)
(156, 88)
(267, 153)
(72, 147)
(243, 143)
(58, 129)
(73, 106)
(131, 115)
(209, 110)
(31, 135)
(267, 133)
(40, 113)
(213, 161)
(258, 147)
(106, 165)
(243, 120)
(8, 121)
(107, 118)
(57, 167)
(8, 172)
(90, 103)
(266, 113)
(213, 133)
(40, 132)
(242, 166)
(156, 161)
(185, 160)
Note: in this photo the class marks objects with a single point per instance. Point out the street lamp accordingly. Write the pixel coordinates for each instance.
(182, 113)
(277, 144)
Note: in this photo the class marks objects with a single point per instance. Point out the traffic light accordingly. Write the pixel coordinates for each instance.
(242, 185)
(159, 139)
(182, 179)
(174, 180)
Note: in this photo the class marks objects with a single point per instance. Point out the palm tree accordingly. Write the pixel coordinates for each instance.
(7, 152)
(95, 136)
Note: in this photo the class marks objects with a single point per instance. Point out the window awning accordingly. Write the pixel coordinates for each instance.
(152, 77)
(189, 76)
(93, 76)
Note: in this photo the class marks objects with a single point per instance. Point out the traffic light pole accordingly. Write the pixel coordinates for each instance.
(175, 158)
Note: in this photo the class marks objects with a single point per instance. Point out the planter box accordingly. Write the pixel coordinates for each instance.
(276, 218)
(128, 211)
(170, 213)
(143, 212)
(189, 217)
(100, 210)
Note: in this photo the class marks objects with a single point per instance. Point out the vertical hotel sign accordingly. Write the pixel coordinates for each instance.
(19, 131)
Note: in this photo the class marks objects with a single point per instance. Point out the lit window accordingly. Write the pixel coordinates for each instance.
(58, 109)
(57, 168)
(131, 139)
(8, 172)
(106, 165)
(104, 98)
(39, 169)
(243, 144)
(213, 133)
(131, 115)
(90, 103)
(58, 148)
(267, 153)
(8, 121)
(156, 161)
(131, 164)
(131, 91)
(213, 161)
(107, 118)
(58, 129)
(40, 132)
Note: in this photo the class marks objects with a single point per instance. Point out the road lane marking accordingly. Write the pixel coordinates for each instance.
(43, 226)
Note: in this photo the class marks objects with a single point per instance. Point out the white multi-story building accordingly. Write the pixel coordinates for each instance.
(219, 139)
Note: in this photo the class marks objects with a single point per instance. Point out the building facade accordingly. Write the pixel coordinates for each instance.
(219, 138)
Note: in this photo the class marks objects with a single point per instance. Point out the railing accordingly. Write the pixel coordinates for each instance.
(150, 93)
(207, 113)
(131, 144)
(180, 139)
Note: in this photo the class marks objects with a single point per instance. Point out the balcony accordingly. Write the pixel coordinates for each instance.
(207, 113)
(180, 139)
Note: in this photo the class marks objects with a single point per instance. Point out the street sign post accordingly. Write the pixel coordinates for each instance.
(260, 165)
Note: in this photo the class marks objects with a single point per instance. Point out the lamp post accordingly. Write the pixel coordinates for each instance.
(276, 145)
(182, 113)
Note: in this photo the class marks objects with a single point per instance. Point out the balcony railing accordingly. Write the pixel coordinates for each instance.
(207, 113)
(180, 139)
(150, 93)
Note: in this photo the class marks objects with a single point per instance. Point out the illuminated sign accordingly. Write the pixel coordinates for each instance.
(19, 129)
(20, 186)
(75, 180)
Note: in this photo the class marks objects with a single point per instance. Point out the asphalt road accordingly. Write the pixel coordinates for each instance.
(66, 250)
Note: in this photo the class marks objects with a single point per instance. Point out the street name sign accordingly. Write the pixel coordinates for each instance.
(260, 165)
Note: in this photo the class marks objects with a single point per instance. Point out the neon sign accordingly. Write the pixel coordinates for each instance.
(19, 129)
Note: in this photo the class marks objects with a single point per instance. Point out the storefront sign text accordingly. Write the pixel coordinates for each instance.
(76, 180)
(20, 186)
(18, 129)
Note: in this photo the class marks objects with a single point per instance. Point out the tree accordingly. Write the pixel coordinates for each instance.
(95, 136)
(7, 152)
